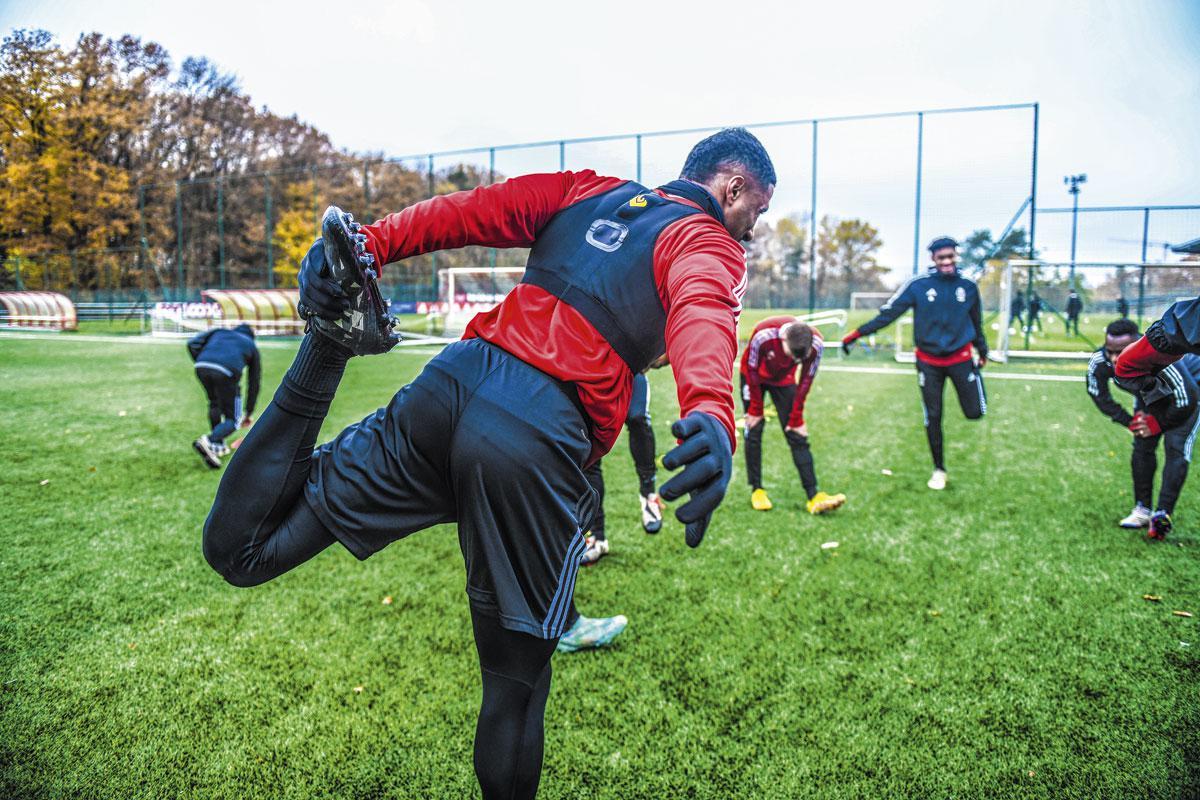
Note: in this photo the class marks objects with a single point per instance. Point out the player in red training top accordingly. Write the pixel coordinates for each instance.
(777, 347)
(496, 431)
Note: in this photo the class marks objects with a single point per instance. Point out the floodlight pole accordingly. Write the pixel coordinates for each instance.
(1073, 182)
(433, 279)
(812, 233)
(917, 212)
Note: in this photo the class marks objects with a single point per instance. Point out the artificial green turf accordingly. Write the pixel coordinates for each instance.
(988, 641)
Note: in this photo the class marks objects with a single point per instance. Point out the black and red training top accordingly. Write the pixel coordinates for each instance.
(699, 271)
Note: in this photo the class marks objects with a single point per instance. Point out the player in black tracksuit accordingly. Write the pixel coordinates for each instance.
(221, 355)
(1161, 368)
(946, 324)
(1119, 335)
(1035, 313)
(1016, 309)
(1074, 309)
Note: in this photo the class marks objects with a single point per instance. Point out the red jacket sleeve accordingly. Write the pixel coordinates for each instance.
(750, 364)
(1141, 358)
(808, 371)
(701, 275)
(507, 214)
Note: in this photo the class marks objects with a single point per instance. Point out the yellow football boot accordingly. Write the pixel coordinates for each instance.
(822, 502)
(760, 501)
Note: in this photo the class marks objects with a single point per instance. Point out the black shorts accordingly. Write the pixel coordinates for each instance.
(485, 440)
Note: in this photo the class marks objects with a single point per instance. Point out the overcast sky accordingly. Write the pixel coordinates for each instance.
(1118, 82)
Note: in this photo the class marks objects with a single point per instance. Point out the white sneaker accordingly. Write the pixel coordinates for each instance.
(205, 448)
(652, 508)
(596, 549)
(221, 450)
(1138, 518)
(937, 481)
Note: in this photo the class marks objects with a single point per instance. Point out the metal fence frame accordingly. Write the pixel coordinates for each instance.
(635, 139)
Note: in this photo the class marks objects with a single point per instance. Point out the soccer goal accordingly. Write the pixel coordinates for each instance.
(464, 292)
(868, 301)
(1056, 309)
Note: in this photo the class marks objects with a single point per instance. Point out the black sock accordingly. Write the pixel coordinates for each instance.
(309, 385)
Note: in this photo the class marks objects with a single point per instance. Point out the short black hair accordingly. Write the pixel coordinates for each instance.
(942, 242)
(728, 147)
(1122, 327)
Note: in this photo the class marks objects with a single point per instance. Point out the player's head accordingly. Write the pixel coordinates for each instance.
(735, 167)
(944, 253)
(245, 330)
(1119, 334)
(797, 340)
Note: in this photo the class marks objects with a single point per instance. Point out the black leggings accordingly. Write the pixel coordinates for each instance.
(968, 385)
(510, 733)
(261, 526)
(783, 396)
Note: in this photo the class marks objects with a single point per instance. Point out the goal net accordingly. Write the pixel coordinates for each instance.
(464, 292)
(1049, 309)
(868, 301)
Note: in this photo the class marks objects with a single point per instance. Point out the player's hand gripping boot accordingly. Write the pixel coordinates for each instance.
(339, 294)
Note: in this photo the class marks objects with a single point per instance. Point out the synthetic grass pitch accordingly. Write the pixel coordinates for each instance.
(988, 641)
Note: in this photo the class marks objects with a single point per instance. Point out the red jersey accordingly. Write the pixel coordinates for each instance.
(699, 271)
(764, 362)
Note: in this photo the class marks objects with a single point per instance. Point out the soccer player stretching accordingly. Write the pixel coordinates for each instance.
(777, 346)
(1167, 409)
(946, 322)
(496, 431)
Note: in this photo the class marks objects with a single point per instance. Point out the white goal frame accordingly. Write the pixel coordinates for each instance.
(456, 315)
(1008, 287)
(883, 296)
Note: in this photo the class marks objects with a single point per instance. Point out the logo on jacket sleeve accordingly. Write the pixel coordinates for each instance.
(606, 234)
(930, 294)
(960, 294)
(639, 201)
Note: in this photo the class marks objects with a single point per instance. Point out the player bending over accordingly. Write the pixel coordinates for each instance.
(946, 322)
(220, 355)
(777, 347)
(496, 431)
(1170, 416)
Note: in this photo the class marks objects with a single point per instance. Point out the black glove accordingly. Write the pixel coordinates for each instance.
(320, 295)
(707, 460)
(849, 339)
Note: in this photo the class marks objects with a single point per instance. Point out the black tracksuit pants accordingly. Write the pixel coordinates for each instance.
(782, 396)
(968, 385)
(1177, 448)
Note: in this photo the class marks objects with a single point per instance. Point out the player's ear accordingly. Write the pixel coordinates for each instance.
(735, 188)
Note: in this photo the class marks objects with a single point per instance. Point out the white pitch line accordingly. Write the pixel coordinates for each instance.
(988, 374)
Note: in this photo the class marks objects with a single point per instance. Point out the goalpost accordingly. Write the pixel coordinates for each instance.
(464, 292)
(1106, 290)
(869, 301)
